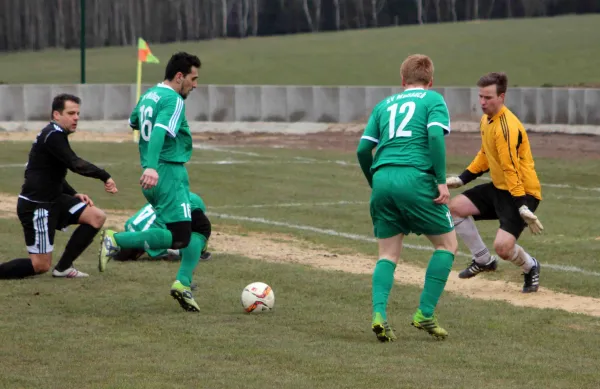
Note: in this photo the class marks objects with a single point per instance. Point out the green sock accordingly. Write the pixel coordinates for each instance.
(190, 256)
(383, 280)
(435, 280)
(153, 238)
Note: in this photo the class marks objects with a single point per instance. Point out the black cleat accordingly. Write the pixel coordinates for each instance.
(532, 279)
(475, 268)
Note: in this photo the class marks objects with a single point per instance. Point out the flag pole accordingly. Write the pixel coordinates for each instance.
(136, 133)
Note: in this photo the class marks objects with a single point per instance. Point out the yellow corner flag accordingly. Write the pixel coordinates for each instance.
(144, 55)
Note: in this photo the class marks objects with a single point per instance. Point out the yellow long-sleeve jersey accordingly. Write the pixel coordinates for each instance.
(506, 153)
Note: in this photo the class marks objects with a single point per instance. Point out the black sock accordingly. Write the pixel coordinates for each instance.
(17, 268)
(82, 237)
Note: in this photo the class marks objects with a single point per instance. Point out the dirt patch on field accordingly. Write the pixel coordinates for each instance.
(280, 248)
(345, 137)
(459, 143)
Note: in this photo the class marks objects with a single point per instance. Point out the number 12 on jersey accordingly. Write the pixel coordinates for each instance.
(408, 109)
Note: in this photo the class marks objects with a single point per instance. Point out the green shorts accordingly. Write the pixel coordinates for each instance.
(402, 203)
(170, 198)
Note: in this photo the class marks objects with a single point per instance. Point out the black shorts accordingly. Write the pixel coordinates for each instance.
(497, 204)
(41, 220)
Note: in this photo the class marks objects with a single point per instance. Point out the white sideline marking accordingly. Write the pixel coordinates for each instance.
(364, 238)
(222, 150)
(290, 205)
(24, 164)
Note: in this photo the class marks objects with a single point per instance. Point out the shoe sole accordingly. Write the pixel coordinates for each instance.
(101, 265)
(379, 331)
(435, 336)
(177, 295)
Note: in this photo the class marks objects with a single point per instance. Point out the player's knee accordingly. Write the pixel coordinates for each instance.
(504, 249)
(455, 208)
(201, 224)
(181, 233)
(99, 218)
(41, 262)
(93, 216)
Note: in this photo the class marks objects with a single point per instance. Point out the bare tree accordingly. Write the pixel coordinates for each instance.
(314, 26)
(419, 11)
(491, 9)
(360, 14)
(376, 7)
(475, 9)
(224, 13)
(255, 17)
(453, 9)
(307, 14)
(508, 9)
(438, 11)
(336, 10)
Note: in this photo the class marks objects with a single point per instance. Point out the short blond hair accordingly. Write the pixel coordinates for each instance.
(417, 69)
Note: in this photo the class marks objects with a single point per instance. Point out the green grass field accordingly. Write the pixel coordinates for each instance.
(534, 52)
(121, 329)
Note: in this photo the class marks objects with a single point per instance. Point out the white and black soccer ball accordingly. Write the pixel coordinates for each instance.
(258, 297)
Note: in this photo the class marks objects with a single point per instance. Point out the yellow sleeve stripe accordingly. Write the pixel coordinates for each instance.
(506, 132)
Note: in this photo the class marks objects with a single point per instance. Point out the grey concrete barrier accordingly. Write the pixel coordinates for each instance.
(320, 104)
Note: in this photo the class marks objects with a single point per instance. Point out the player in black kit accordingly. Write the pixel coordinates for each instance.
(48, 203)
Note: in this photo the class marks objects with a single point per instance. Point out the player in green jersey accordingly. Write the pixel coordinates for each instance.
(165, 145)
(407, 175)
(145, 218)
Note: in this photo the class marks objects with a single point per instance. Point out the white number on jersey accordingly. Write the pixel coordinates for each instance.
(145, 116)
(393, 110)
(449, 216)
(147, 212)
(187, 210)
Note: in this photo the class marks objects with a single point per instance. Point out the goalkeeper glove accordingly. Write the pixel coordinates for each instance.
(454, 182)
(532, 221)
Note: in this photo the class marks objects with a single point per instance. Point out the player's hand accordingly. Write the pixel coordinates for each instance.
(84, 198)
(532, 221)
(454, 182)
(444, 196)
(149, 178)
(110, 186)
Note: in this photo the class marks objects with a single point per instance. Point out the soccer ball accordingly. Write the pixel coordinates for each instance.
(258, 297)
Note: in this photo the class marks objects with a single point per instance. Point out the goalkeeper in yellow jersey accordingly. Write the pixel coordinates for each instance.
(513, 195)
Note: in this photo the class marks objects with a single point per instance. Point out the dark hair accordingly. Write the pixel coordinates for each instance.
(181, 62)
(58, 103)
(494, 78)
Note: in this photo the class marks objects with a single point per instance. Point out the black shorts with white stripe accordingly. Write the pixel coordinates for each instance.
(41, 220)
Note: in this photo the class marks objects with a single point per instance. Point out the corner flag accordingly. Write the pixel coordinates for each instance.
(144, 55)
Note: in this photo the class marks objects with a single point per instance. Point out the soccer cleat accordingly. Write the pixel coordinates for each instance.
(69, 273)
(205, 256)
(476, 268)
(382, 329)
(429, 324)
(183, 295)
(532, 279)
(108, 249)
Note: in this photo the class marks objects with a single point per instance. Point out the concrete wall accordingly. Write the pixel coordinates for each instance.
(248, 103)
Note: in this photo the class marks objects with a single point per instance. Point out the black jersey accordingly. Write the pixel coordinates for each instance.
(50, 157)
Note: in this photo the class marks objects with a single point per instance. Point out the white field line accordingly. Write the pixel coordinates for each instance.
(364, 238)
(291, 205)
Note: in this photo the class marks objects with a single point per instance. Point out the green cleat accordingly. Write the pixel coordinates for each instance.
(108, 249)
(429, 324)
(382, 329)
(183, 295)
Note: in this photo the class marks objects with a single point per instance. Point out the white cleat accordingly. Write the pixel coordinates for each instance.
(69, 273)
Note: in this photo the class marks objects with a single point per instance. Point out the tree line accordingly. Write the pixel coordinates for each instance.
(40, 24)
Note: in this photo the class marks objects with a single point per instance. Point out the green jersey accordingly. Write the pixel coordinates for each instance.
(145, 218)
(400, 125)
(162, 107)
